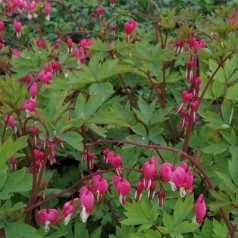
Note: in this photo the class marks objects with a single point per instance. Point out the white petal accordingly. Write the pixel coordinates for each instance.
(84, 215)
(67, 219)
(46, 227)
(182, 192)
(173, 186)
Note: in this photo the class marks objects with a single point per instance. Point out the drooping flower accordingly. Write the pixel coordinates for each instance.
(139, 189)
(28, 105)
(47, 217)
(33, 90)
(149, 169)
(186, 97)
(161, 195)
(86, 199)
(165, 172)
(45, 76)
(112, 3)
(129, 27)
(47, 11)
(10, 122)
(100, 185)
(39, 158)
(1, 26)
(16, 52)
(30, 8)
(69, 44)
(34, 131)
(122, 186)
(115, 160)
(179, 45)
(1, 45)
(200, 209)
(17, 28)
(13, 162)
(69, 209)
(56, 67)
(99, 11)
(151, 191)
(114, 30)
(40, 43)
(177, 178)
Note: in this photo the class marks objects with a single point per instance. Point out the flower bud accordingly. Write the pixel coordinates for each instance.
(200, 209)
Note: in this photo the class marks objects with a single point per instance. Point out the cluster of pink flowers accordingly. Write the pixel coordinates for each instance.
(179, 177)
(88, 156)
(190, 97)
(190, 45)
(29, 105)
(46, 75)
(39, 158)
(81, 51)
(233, 19)
(27, 7)
(98, 12)
(85, 201)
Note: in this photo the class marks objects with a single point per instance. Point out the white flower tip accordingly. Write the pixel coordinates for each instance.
(182, 192)
(48, 17)
(67, 219)
(84, 215)
(46, 227)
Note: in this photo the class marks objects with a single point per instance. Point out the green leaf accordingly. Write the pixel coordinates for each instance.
(139, 129)
(218, 89)
(220, 195)
(123, 231)
(3, 176)
(226, 180)
(73, 139)
(144, 227)
(230, 66)
(168, 221)
(98, 130)
(220, 230)
(17, 182)
(96, 233)
(216, 148)
(232, 92)
(80, 107)
(233, 167)
(20, 229)
(183, 208)
(10, 148)
(108, 118)
(207, 229)
(227, 111)
(93, 103)
(186, 227)
(163, 230)
(146, 111)
(101, 88)
(79, 229)
(211, 117)
(139, 213)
